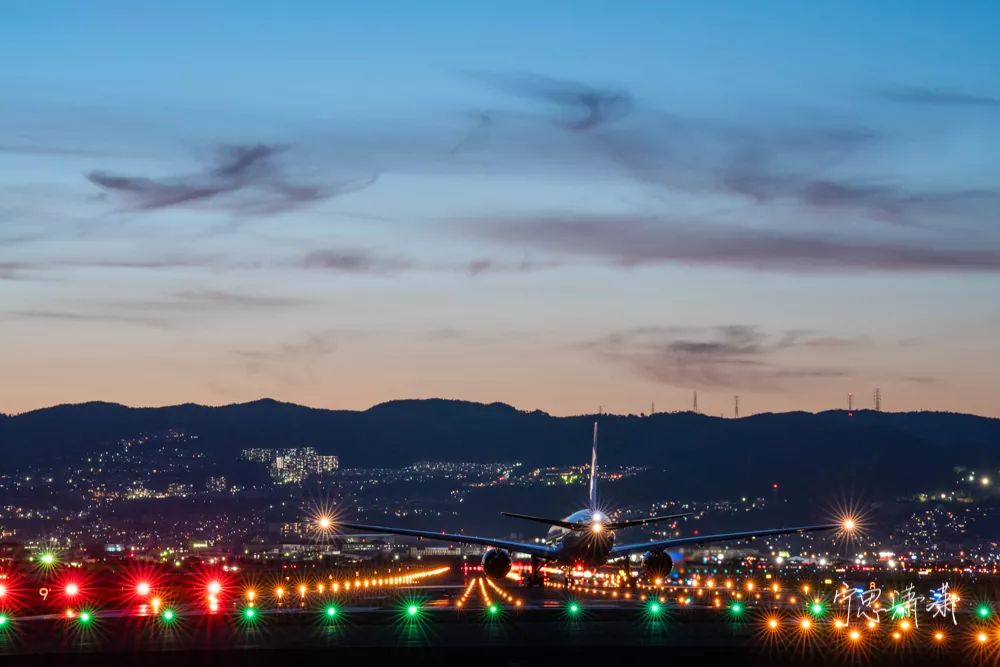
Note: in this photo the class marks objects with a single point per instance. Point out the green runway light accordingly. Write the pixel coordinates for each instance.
(817, 608)
(574, 608)
(736, 609)
(3, 620)
(655, 608)
(85, 617)
(412, 610)
(168, 616)
(47, 558)
(249, 613)
(331, 611)
(493, 609)
(983, 611)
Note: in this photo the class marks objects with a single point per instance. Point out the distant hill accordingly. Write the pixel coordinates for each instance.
(874, 453)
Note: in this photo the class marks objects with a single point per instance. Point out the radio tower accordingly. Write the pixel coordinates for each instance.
(736, 406)
(696, 402)
(878, 400)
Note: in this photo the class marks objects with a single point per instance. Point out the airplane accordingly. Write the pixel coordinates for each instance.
(584, 538)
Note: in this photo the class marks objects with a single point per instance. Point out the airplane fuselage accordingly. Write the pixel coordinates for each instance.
(589, 546)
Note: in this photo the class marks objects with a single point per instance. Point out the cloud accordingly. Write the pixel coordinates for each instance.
(585, 107)
(729, 356)
(355, 261)
(937, 97)
(212, 300)
(639, 240)
(291, 361)
(361, 261)
(98, 318)
(244, 179)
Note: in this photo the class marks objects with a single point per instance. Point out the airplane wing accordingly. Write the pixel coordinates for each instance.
(618, 525)
(625, 549)
(539, 550)
(550, 522)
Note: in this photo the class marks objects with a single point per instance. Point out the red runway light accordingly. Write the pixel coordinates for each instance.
(143, 588)
(72, 589)
(214, 587)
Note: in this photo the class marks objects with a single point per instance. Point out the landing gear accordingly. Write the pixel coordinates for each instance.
(535, 578)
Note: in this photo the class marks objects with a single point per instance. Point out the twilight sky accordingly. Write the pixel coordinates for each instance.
(558, 205)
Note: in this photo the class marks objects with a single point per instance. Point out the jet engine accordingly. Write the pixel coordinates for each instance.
(496, 563)
(657, 564)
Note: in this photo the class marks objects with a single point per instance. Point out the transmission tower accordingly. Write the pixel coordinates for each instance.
(736, 406)
(695, 407)
(878, 400)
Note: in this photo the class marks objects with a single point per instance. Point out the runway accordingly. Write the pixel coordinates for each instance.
(473, 617)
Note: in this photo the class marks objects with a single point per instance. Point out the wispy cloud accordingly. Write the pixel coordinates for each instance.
(584, 107)
(85, 317)
(211, 300)
(639, 240)
(245, 179)
(729, 356)
(939, 97)
(364, 261)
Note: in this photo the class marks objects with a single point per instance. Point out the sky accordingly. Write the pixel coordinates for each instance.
(560, 205)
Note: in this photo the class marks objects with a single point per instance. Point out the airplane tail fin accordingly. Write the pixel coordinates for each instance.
(593, 473)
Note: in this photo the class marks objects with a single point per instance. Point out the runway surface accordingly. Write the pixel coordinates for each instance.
(473, 618)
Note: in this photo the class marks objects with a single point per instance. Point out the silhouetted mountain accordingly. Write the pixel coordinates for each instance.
(695, 455)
